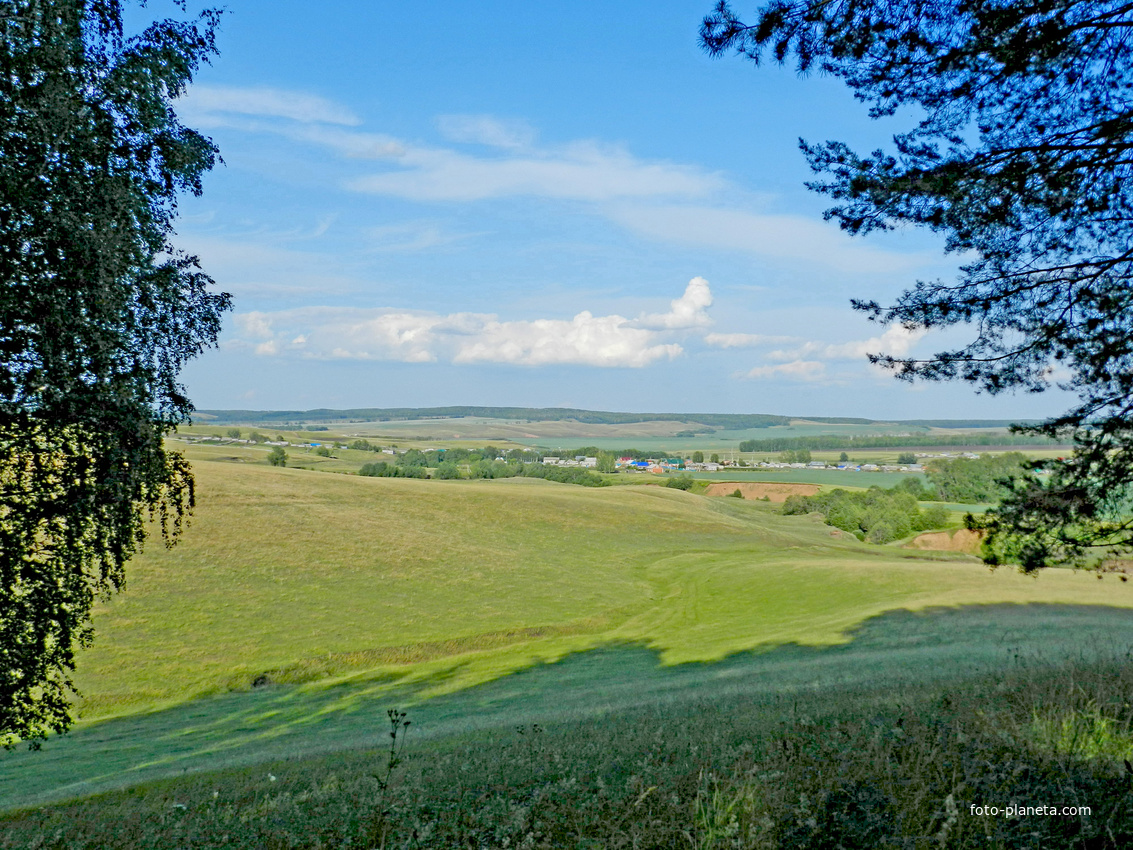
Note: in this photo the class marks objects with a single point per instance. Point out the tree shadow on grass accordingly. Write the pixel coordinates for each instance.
(279, 722)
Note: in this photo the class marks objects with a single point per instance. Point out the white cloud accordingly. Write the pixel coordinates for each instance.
(799, 370)
(255, 325)
(622, 187)
(579, 171)
(896, 341)
(739, 340)
(688, 311)
(585, 340)
(333, 333)
(486, 130)
(202, 102)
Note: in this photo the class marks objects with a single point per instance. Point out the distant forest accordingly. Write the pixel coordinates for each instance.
(728, 421)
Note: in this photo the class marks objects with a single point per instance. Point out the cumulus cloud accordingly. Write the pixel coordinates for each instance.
(332, 333)
(586, 340)
(688, 311)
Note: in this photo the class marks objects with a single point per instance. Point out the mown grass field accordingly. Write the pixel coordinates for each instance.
(478, 602)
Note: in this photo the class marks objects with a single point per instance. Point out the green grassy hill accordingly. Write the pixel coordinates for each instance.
(301, 575)
(474, 603)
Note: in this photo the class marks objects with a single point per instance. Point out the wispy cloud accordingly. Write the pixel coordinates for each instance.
(333, 333)
(779, 236)
(412, 236)
(798, 370)
(896, 341)
(265, 265)
(583, 170)
(204, 102)
(809, 361)
(741, 340)
(487, 130)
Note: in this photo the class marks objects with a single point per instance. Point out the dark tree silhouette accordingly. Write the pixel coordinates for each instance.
(1022, 161)
(98, 312)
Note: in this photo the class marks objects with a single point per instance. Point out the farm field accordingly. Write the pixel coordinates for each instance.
(342, 595)
(826, 477)
(669, 433)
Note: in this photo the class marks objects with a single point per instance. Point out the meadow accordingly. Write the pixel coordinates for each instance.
(301, 604)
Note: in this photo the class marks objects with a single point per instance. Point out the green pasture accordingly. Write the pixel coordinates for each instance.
(340, 594)
(304, 576)
(608, 701)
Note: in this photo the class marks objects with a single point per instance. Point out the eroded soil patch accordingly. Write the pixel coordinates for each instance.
(758, 490)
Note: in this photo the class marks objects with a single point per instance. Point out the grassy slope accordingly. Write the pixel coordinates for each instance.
(384, 591)
(306, 574)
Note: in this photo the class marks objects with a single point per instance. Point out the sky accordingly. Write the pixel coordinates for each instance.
(537, 205)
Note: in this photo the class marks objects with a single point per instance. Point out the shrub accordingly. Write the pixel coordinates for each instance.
(277, 456)
(563, 474)
(975, 480)
(448, 471)
(680, 482)
(877, 515)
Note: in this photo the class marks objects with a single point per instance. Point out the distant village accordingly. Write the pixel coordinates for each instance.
(656, 466)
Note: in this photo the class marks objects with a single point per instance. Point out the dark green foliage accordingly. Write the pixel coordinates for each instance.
(916, 487)
(680, 482)
(607, 462)
(876, 515)
(795, 456)
(1020, 160)
(493, 469)
(323, 451)
(448, 470)
(381, 469)
(976, 480)
(907, 458)
(277, 456)
(98, 312)
(698, 457)
(563, 474)
(842, 458)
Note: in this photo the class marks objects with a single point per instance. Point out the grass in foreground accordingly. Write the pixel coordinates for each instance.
(895, 764)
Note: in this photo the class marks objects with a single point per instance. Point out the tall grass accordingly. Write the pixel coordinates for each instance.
(866, 767)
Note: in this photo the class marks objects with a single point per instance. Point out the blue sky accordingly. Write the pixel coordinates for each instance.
(510, 203)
